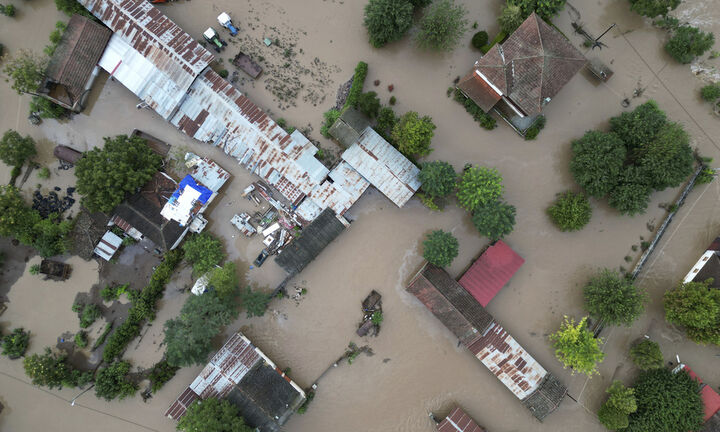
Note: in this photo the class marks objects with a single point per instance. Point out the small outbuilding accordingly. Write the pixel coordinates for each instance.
(458, 421)
(67, 154)
(108, 245)
(491, 272)
(54, 270)
(349, 126)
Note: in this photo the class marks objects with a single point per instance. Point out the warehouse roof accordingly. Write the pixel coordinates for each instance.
(315, 237)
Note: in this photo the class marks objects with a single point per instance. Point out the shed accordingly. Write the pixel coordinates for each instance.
(458, 421)
(492, 271)
(247, 65)
(108, 245)
(349, 126)
(72, 68)
(67, 154)
(54, 270)
(313, 239)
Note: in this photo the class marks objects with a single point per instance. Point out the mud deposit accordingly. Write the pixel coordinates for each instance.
(417, 366)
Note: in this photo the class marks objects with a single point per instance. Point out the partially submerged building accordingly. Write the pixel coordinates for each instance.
(107, 246)
(349, 126)
(247, 378)
(458, 421)
(73, 67)
(710, 399)
(519, 77)
(537, 389)
(707, 266)
(491, 272)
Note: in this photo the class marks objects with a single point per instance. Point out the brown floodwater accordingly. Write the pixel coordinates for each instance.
(417, 366)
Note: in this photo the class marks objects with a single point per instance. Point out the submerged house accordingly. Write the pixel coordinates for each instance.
(536, 388)
(458, 421)
(247, 378)
(74, 65)
(707, 266)
(491, 272)
(519, 77)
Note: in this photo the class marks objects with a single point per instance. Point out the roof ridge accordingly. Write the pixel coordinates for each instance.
(542, 50)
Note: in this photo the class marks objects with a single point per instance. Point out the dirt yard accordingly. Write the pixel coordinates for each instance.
(417, 366)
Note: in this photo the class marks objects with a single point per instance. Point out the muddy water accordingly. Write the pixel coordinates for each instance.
(417, 366)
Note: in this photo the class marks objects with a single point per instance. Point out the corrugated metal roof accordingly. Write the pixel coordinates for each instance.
(108, 245)
(215, 112)
(384, 167)
(339, 193)
(207, 172)
(148, 53)
(458, 421)
(492, 271)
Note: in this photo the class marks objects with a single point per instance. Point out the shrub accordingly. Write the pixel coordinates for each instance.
(15, 150)
(710, 92)
(330, 117)
(653, 8)
(413, 134)
(546, 9)
(486, 120)
(8, 10)
(46, 109)
(212, 415)
(689, 42)
(377, 318)
(707, 175)
(386, 121)
(72, 7)
(392, 100)
(479, 39)
(442, 25)
(570, 211)
(387, 20)
(510, 18)
(369, 104)
(44, 173)
(440, 248)
(613, 298)
(646, 355)
(53, 370)
(15, 344)
(224, 73)
(357, 85)
(204, 252)
(695, 306)
(35, 269)
(113, 382)
(614, 412)
(576, 347)
(160, 374)
(89, 314)
(81, 339)
(438, 178)
(110, 293)
(101, 340)
(479, 186)
(255, 302)
(494, 220)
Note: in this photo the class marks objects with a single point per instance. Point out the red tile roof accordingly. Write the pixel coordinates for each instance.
(492, 271)
(710, 398)
(458, 421)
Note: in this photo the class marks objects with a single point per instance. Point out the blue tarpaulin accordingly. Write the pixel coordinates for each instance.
(205, 193)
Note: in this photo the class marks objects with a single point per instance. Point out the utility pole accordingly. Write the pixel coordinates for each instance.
(72, 402)
(597, 43)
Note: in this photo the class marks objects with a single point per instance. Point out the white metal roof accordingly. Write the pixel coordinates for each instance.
(339, 193)
(108, 245)
(206, 171)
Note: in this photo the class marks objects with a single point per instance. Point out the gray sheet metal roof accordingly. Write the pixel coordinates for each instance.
(384, 167)
(217, 113)
(339, 193)
(148, 53)
(315, 237)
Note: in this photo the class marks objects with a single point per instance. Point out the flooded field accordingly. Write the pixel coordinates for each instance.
(417, 366)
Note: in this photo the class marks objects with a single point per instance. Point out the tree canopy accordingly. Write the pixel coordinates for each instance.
(494, 220)
(212, 415)
(666, 401)
(442, 25)
(695, 306)
(15, 344)
(576, 347)
(546, 9)
(113, 382)
(653, 8)
(689, 42)
(646, 355)
(72, 7)
(204, 252)
(511, 17)
(106, 175)
(224, 281)
(413, 134)
(612, 298)
(440, 248)
(53, 370)
(479, 186)
(667, 160)
(614, 412)
(438, 178)
(255, 302)
(369, 104)
(597, 162)
(26, 70)
(387, 20)
(16, 149)
(570, 211)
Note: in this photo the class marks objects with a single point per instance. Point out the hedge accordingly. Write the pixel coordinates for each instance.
(357, 85)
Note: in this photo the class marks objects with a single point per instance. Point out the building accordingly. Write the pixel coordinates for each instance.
(707, 267)
(188, 200)
(108, 245)
(537, 389)
(520, 76)
(74, 65)
(491, 272)
(349, 126)
(710, 398)
(248, 379)
(458, 421)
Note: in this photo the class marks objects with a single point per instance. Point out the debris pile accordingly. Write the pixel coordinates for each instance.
(52, 203)
(372, 315)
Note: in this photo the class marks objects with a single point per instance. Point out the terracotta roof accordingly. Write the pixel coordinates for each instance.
(710, 398)
(531, 66)
(77, 54)
(492, 271)
(458, 421)
(479, 90)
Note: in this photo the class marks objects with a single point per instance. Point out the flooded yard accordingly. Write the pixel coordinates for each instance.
(417, 366)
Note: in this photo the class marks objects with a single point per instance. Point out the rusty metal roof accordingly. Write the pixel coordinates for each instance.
(384, 167)
(206, 171)
(458, 421)
(217, 113)
(339, 193)
(148, 53)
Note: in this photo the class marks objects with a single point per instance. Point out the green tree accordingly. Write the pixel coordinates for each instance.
(105, 176)
(438, 178)
(89, 314)
(570, 211)
(53, 370)
(631, 195)
(695, 306)
(442, 25)
(420, 3)
(576, 347)
(653, 8)
(666, 401)
(638, 127)
(113, 382)
(72, 7)
(413, 134)
(16, 219)
(50, 235)
(386, 122)
(511, 18)
(646, 355)
(494, 220)
(45, 108)
(188, 338)
(255, 302)
(613, 298)
(479, 186)
(16, 149)
(597, 162)
(710, 92)
(440, 248)
(15, 344)
(26, 70)
(387, 20)
(479, 39)
(689, 42)
(225, 281)
(546, 9)
(369, 104)
(667, 160)
(204, 252)
(614, 412)
(212, 415)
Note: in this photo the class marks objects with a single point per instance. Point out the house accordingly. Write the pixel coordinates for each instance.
(523, 74)
(710, 398)
(492, 271)
(537, 389)
(458, 421)
(108, 245)
(349, 126)
(139, 215)
(707, 266)
(74, 65)
(247, 378)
